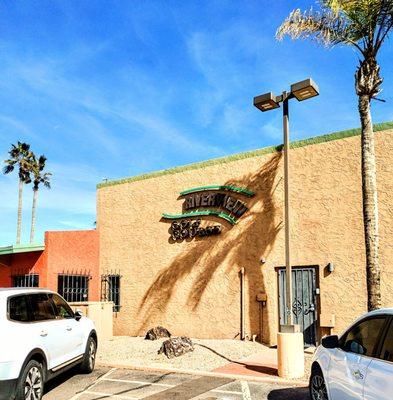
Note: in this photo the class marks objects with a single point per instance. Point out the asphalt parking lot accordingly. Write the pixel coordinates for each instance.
(121, 384)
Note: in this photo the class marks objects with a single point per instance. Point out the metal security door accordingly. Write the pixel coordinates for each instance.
(304, 307)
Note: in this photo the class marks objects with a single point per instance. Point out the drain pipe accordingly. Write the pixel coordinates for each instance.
(242, 306)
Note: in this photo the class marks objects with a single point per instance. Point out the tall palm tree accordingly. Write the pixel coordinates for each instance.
(364, 25)
(20, 157)
(39, 178)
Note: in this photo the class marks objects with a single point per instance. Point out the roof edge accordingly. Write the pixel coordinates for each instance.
(15, 249)
(247, 154)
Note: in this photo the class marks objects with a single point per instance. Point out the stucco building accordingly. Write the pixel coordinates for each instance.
(200, 250)
(67, 262)
(222, 277)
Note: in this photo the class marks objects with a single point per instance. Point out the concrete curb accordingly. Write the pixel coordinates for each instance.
(249, 378)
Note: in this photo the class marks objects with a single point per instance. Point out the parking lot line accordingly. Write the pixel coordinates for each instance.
(190, 389)
(138, 382)
(245, 390)
(110, 396)
(223, 391)
(101, 378)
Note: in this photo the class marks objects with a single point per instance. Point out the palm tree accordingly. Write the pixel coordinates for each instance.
(39, 177)
(20, 157)
(364, 25)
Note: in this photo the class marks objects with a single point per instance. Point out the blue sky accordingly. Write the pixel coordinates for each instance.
(119, 88)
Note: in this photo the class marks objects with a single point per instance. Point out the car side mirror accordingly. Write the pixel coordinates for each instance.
(330, 342)
(78, 315)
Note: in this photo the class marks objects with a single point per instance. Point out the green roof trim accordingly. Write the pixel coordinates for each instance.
(15, 249)
(204, 213)
(248, 154)
(230, 188)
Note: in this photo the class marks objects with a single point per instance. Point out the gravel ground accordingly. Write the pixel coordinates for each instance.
(136, 350)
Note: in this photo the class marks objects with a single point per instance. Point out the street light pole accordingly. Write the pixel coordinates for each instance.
(301, 91)
(290, 341)
(288, 267)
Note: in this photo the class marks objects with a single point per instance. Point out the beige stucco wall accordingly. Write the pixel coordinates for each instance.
(193, 287)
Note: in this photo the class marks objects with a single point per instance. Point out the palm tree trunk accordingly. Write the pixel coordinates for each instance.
(19, 223)
(370, 205)
(33, 215)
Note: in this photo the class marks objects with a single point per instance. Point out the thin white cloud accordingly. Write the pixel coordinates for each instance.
(7, 122)
(47, 78)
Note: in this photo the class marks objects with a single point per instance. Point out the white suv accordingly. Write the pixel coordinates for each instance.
(358, 365)
(40, 337)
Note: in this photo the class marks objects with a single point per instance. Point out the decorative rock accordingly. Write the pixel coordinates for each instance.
(156, 333)
(176, 346)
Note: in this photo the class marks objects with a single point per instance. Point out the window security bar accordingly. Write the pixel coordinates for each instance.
(73, 287)
(25, 280)
(110, 288)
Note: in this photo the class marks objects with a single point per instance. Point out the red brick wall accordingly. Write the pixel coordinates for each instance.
(71, 252)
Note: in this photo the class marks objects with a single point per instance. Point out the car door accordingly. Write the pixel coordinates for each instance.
(71, 328)
(349, 363)
(47, 329)
(379, 379)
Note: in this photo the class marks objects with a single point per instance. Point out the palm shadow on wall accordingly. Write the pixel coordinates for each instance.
(239, 246)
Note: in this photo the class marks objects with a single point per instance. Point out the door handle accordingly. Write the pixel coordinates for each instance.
(43, 333)
(69, 328)
(357, 374)
(310, 309)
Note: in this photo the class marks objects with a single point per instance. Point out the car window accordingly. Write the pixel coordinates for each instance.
(41, 307)
(18, 309)
(362, 338)
(62, 309)
(387, 346)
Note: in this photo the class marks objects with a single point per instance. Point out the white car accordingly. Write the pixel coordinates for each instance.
(40, 337)
(359, 363)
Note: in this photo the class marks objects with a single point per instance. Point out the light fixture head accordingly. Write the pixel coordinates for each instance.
(305, 89)
(266, 102)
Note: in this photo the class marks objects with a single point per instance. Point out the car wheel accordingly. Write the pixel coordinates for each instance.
(318, 389)
(31, 383)
(89, 359)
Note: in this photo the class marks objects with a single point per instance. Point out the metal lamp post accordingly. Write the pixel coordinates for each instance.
(301, 91)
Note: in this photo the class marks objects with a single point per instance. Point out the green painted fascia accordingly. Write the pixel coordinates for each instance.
(244, 191)
(15, 249)
(248, 154)
(202, 213)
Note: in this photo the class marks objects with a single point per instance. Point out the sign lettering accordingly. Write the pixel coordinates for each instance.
(189, 229)
(219, 200)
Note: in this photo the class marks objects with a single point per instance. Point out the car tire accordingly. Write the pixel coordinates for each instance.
(31, 382)
(318, 390)
(89, 358)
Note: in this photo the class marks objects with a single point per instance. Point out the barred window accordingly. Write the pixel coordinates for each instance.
(110, 289)
(74, 288)
(26, 280)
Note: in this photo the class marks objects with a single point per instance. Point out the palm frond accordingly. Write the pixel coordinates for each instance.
(371, 20)
(41, 162)
(324, 26)
(8, 168)
(365, 24)
(25, 178)
(40, 177)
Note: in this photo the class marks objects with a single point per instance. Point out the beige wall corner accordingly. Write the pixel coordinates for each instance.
(101, 313)
(290, 354)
